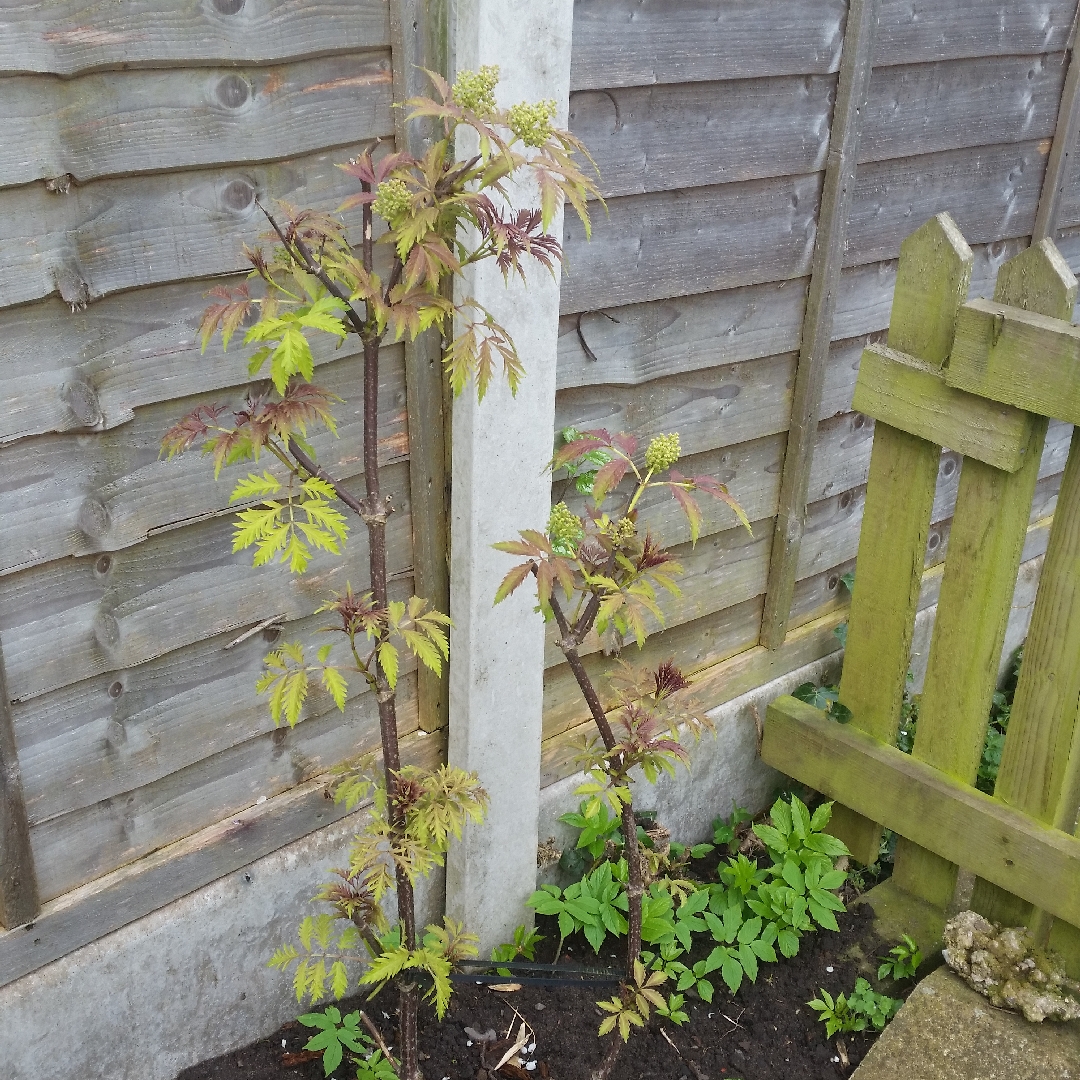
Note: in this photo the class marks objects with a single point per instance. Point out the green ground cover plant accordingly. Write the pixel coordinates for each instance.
(700, 930)
(434, 216)
(861, 1009)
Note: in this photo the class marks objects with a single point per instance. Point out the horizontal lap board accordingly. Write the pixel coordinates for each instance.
(920, 802)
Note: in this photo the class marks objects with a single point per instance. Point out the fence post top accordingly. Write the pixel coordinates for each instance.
(931, 283)
(1038, 279)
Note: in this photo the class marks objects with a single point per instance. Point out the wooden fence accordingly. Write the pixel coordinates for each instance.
(133, 142)
(989, 391)
(133, 139)
(703, 302)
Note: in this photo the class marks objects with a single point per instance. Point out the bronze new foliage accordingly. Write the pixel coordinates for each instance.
(441, 213)
(599, 572)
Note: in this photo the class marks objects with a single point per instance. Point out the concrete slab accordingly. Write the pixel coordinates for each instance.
(500, 449)
(947, 1031)
(188, 982)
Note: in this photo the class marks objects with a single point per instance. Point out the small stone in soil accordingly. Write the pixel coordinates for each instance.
(540, 1006)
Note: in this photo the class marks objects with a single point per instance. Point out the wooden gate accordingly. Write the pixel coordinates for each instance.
(981, 378)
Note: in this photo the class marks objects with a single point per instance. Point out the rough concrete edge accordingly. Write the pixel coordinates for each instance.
(182, 984)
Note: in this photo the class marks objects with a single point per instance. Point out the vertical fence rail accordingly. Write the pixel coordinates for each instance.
(931, 283)
(18, 882)
(852, 89)
(418, 40)
(989, 528)
(1059, 164)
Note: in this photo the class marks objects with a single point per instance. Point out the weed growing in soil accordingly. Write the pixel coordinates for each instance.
(441, 213)
(904, 960)
(608, 575)
(859, 1010)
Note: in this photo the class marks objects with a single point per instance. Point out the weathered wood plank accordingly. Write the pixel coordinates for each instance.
(1033, 765)
(179, 869)
(1042, 736)
(420, 41)
(919, 32)
(673, 243)
(932, 279)
(681, 242)
(641, 42)
(692, 646)
(991, 192)
(119, 234)
(836, 196)
(983, 101)
(91, 368)
(68, 36)
(639, 135)
(82, 845)
(655, 138)
(715, 407)
(74, 618)
(136, 121)
(1020, 358)
(640, 342)
(989, 529)
(121, 730)
(19, 901)
(925, 805)
(631, 345)
(1060, 164)
(71, 495)
(913, 396)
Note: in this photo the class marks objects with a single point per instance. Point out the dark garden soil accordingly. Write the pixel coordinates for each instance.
(766, 1032)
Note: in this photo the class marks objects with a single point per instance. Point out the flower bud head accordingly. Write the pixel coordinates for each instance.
(663, 452)
(564, 529)
(531, 123)
(475, 90)
(392, 201)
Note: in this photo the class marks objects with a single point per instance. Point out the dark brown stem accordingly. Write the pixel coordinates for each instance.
(380, 1042)
(373, 512)
(603, 1070)
(410, 1057)
(634, 886)
(309, 466)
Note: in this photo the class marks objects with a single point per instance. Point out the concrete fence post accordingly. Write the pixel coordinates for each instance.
(500, 448)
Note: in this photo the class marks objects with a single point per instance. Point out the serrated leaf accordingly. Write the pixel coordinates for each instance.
(388, 661)
(336, 685)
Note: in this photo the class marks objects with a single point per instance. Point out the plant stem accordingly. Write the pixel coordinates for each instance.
(373, 511)
(634, 887)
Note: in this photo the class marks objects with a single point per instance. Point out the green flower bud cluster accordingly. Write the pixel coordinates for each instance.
(564, 529)
(392, 201)
(624, 530)
(531, 123)
(475, 90)
(663, 452)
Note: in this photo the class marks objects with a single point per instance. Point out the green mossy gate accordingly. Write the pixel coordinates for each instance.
(982, 378)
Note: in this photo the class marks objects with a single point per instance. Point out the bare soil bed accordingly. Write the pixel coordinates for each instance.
(764, 1032)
